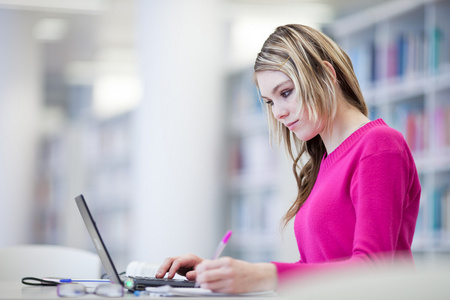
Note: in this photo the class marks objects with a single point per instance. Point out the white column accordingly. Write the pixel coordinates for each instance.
(19, 109)
(178, 130)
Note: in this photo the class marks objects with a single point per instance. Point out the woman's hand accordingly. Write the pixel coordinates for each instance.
(182, 265)
(228, 275)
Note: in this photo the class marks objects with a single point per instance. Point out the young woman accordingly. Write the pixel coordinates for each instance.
(358, 191)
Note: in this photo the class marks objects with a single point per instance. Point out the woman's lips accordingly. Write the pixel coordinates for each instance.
(291, 125)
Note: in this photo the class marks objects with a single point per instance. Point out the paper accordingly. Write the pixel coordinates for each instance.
(167, 290)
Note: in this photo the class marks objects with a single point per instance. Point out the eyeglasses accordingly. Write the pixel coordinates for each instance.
(69, 290)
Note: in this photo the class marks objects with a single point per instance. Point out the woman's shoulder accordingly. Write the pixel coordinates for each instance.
(380, 137)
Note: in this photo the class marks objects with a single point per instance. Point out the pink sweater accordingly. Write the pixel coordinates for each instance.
(363, 206)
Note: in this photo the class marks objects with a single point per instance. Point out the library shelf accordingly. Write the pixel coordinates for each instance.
(401, 54)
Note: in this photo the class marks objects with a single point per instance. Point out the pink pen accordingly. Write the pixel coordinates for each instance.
(222, 244)
(219, 249)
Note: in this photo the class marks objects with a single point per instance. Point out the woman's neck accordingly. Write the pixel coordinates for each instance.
(348, 119)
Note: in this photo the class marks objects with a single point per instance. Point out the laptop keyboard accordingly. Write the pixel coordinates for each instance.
(157, 279)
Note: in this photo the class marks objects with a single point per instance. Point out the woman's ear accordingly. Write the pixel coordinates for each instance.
(330, 67)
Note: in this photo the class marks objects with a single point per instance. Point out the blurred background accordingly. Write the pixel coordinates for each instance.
(148, 109)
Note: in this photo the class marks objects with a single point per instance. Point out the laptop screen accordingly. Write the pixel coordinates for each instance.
(97, 240)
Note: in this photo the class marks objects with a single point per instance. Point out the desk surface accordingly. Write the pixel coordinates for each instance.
(17, 290)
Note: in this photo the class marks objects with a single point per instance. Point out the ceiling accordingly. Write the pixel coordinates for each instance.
(108, 24)
(340, 7)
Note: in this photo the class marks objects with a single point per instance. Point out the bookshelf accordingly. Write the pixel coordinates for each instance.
(110, 179)
(259, 183)
(252, 204)
(90, 155)
(401, 55)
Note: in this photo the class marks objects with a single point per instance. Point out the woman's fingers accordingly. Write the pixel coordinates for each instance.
(227, 275)
(220, 286)
(179, 264)
(191, 275)
(165, 266)
(218, 275)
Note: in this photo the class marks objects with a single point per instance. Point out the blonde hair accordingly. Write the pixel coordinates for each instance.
(299, 52)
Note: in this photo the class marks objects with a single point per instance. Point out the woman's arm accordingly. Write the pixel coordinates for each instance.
(385, 202)
(223, 275)
(232, 276)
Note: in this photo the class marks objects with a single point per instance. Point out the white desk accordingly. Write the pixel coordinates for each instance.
(17, 290)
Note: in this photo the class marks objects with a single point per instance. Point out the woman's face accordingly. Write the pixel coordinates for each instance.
(278, 91)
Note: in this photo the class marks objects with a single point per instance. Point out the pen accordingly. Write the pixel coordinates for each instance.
(69, 280)
(220, 248)
(222, 244)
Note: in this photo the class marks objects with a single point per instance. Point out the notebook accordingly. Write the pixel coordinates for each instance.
(131, 283)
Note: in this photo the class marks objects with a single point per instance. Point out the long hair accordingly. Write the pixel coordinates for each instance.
(299, 52)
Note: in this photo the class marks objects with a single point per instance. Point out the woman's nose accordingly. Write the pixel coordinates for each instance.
(279, 112)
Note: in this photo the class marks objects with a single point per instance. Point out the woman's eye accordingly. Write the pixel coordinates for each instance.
(286, 94)
(269, 102)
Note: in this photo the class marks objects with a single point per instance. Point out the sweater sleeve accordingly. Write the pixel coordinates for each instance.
(378, 191)
(379, 195)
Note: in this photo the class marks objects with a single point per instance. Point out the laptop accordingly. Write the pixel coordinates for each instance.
(131, 283)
